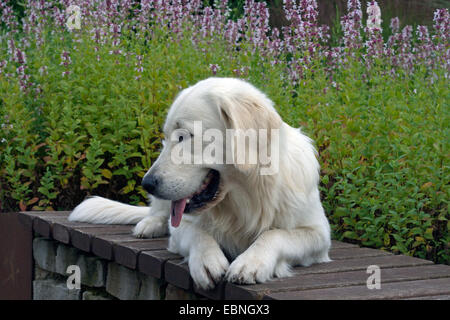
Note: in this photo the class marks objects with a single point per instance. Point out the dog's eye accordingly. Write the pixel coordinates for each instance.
(179, 135)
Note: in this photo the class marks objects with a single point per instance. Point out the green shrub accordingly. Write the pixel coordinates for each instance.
(383, 140)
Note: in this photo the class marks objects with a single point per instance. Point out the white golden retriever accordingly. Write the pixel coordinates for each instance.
(263, 223)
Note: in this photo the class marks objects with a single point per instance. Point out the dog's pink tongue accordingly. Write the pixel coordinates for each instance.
(177, 212)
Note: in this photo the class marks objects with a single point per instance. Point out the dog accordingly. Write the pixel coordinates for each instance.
(229, 220)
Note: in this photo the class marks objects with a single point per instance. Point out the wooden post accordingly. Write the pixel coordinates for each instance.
(16, 258)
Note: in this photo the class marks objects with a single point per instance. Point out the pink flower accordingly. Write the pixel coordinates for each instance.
(214, 68)
(117, 52)
(351, 25)
(374, 16)
(3, 65)
(442, 22)
(21, 58)
(43, 70)
(65, 58)
(395, 24)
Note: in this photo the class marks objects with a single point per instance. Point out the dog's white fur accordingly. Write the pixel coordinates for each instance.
(266, 223)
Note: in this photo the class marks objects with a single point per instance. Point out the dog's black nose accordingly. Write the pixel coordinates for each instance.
(150, 182)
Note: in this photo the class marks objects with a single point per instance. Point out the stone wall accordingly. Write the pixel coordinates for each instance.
(100, 279)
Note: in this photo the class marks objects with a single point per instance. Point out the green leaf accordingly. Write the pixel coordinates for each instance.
(350, 235)
(106, 173)
(386, 240)
(429, 234)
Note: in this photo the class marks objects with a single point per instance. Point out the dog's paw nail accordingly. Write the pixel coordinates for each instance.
(250, 269)
(150, 227)
(208, 268)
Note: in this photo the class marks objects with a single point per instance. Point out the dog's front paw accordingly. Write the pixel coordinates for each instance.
(151, 227)
(251, 267)
(208, 267)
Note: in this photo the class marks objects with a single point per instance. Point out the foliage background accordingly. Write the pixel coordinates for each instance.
(84, 118)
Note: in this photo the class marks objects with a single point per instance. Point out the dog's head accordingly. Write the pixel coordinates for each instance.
(213, 131)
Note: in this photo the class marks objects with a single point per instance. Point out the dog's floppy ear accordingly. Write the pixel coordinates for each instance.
(248, 117)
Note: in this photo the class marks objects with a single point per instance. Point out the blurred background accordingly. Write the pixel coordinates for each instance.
(410, 12)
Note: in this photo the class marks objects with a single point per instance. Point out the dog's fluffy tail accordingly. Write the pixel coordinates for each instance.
(101, 210)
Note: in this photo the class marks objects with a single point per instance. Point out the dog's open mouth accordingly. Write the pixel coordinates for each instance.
(200, 200)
